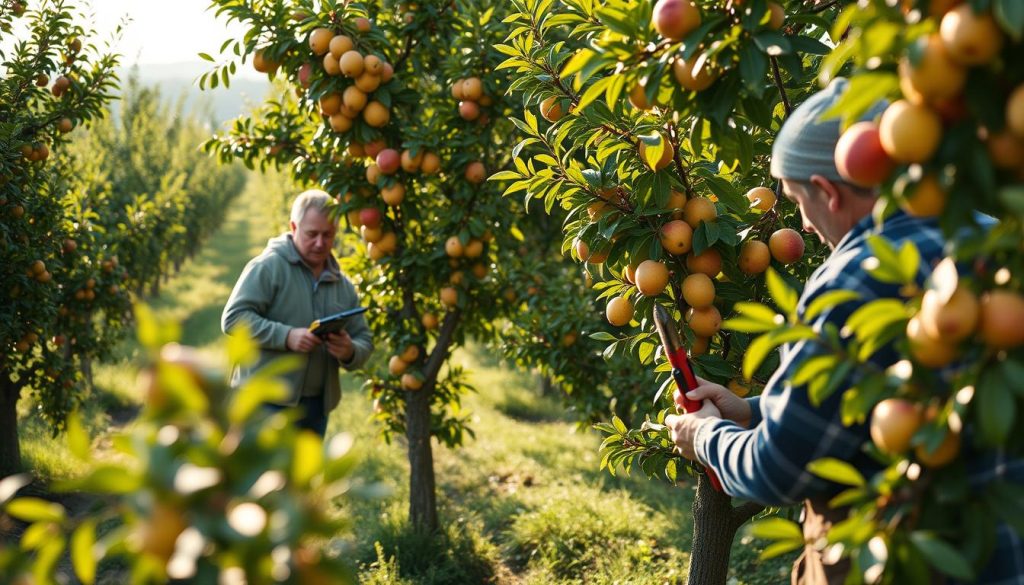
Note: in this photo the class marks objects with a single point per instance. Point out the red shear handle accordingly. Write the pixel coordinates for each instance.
(686, 381)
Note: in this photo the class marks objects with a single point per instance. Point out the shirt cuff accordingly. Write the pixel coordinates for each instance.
(755, 411)
(700, 438)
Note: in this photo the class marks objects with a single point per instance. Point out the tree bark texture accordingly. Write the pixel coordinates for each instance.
(10, 450)
(713, 531)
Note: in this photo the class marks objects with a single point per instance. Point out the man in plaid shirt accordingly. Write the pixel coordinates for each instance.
(760, 447)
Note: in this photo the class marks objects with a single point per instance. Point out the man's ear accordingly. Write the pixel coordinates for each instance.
(292, 226)
(832, 192)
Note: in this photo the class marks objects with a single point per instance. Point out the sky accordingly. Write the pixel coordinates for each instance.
(162, 31)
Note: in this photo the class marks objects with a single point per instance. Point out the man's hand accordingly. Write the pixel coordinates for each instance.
(340, 346)
(683, 427)
(301, 340)
(731, 406)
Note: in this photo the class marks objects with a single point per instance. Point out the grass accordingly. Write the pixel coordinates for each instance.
(523, 502)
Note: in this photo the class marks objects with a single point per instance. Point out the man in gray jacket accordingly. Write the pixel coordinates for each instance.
(293, 282)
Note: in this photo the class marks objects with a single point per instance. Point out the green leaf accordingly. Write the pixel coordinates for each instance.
(762, 346)
(602, 336)
(885, 265)
(78, 438)
(82, 542)
(779, 548)
(996, 407)
(35, 510)
(941, 555)
(308, 458)
(829, 300)
(753, 318)
(1010, 15)
(1007, 501)
(785, 297)
(593, 92)
(653, 149)
(257, 391)
(776, 529)
(837, 471)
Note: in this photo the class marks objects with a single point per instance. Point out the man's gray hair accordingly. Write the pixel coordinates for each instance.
(313, 198)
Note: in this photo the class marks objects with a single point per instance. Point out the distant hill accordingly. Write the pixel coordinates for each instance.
(181, 79)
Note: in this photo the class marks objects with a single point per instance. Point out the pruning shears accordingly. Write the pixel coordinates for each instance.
(682, 373)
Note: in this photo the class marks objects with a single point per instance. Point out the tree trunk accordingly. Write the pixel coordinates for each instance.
(713, 531)
(85, 363)
(10, 450)
(547, 387)
(422, 496)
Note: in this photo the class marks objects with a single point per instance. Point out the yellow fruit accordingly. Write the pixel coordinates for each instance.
(674, 19)
(373, 65)
(340, 122)
(351, 64)
(697, 210)
(354, 98)
(472, 89)
(619, 311)
(909, 133)
(778, 16)
(320, 40)
(1006, 150)
(161, 530)
(410, 163)
(371, 234)
(935, 77)
(709, 262)
(550, 109)
(676, 237)
(971, 39)
(667, 154)
(953, 320)
(704, 322)
(698, 290)
(431, 163)
(429, 321)
(926, 350)
(449, 296)
(738, 388)
(340, 45)
(475, 172)
(687, 79)
(927, 199)
(700, 345)
(755, 257)
(367, 82)
(1001, 325)
(453, 247)
(894, 422)
(474, 248)
(411, 354)
(943, 455)
(411, 382)
(1015, 112)
(396, 366)
(651, 278)
(330, 104)
(638, 97)
(762, 198)
(393, 195)
(376, 114)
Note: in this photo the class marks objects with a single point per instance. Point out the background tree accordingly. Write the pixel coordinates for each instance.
(397, 110)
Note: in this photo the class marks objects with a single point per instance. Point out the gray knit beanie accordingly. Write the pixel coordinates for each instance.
(806, 144)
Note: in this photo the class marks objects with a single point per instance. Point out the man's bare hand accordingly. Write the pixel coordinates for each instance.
(683, 427)
(301, 340)
(731, 406)
(340, 346)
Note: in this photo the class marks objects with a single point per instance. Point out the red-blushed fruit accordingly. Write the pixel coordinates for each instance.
(389, 161)
(374, 147)
(651, 278)
(476, 172)
(305, 75)
(786, 245)
(860, 158)
(894, 422)
(674, 19)
(619, 311)
(469, 110)
(370, 217)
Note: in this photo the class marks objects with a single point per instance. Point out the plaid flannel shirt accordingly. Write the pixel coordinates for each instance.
(767, 463)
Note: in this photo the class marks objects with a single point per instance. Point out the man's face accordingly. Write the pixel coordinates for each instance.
(814, 209)
(314, 237)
